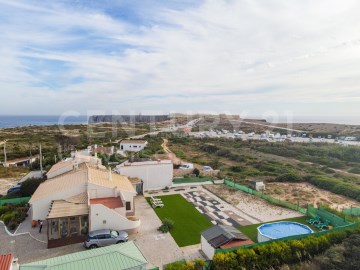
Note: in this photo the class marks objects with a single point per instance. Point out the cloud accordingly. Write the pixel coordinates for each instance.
(213, 56)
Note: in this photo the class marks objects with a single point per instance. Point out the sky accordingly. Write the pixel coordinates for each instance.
(294, 58)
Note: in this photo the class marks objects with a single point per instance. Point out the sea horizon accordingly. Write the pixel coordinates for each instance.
(13, 121)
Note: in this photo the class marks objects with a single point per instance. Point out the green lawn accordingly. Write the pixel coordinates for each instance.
(251, 230)
(191, 179)
(189, 223)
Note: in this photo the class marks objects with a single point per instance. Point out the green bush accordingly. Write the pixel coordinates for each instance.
(289, 177)
(355, 170)
(196, 172)
(12, 225)
(30, 186)
(336, 186)
(8, 217)
(167, 225)
(4, 209)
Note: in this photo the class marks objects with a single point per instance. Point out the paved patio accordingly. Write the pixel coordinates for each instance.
(214, 210)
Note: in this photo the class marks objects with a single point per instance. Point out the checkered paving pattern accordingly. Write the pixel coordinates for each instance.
(214, 210)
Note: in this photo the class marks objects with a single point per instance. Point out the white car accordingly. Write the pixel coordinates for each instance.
(186, 166)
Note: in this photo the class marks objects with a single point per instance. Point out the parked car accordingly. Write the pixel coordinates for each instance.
(14, 189)
(207, 168)
(101, 238)
(186, 166)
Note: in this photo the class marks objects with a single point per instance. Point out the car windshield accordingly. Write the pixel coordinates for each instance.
(114, 234)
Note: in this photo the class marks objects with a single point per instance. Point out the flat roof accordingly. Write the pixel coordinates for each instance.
(134, 141)
(145, 163)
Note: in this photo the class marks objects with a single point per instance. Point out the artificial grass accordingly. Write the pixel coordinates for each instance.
(189, 223)
(191, 180)
(252, 233)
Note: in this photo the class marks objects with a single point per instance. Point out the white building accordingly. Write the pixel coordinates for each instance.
(85, 199)
(132, 145)
(154, 174)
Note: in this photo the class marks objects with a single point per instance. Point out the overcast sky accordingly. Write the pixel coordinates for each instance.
(252, 57)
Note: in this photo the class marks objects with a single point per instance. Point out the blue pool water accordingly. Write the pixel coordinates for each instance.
(283, 229)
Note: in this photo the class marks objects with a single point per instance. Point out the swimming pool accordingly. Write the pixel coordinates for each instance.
(276, 230)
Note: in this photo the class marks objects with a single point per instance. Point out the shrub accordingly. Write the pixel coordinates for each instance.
(196, 172)
(236, 169)
(4, 209)
(289, 177)
(28, 187)
(167, 225)
(273, 254)
(199, 264)
(8, 217)
(355, 170)
(12, 225)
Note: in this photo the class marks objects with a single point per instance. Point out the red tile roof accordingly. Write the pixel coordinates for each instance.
(6, 261)
(111, 203)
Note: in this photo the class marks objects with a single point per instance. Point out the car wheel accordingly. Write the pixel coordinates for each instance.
(119, 242)
(93, 246)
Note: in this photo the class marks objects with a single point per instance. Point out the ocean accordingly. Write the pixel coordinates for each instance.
(11, 121)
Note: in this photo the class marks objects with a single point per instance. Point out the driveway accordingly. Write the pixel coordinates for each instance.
(27, 249)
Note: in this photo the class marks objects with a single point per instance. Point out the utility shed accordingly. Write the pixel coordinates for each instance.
(258, 185)
(116, 257)
(221, 237)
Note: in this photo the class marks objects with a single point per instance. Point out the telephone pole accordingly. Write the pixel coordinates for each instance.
(41, 166)
(5, 157)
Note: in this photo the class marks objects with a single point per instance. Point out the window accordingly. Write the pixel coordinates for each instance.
(128, 206)
(102, 236)
(114, 234)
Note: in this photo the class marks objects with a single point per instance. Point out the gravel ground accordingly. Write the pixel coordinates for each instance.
(252, 205)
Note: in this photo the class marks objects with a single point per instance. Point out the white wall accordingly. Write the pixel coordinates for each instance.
(128, 197)
(207, 248)
(133, 147)
(154, 176)
(41, 207)
(100, 213)
(262, 238)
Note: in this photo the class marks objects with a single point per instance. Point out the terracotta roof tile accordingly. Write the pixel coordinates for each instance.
(111, 203)
(6, 261)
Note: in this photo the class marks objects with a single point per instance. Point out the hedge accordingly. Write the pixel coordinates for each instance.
(274, 254)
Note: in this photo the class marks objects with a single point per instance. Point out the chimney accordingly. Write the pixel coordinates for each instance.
(110, 174)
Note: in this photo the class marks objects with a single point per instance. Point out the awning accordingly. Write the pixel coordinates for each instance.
(63, 208)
